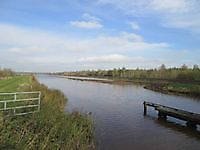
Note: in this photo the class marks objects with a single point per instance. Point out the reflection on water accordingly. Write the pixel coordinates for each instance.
(179, 128)
(117, 111)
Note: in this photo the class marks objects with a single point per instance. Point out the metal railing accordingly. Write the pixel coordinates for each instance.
(20, 103)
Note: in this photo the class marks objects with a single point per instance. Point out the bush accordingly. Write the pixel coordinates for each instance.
(185, 76)
(6, 72)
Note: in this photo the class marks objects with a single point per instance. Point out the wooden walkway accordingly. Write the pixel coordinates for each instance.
(192, 119)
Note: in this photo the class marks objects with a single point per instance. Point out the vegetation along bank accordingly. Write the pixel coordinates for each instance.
(183, 80)
(51, 128)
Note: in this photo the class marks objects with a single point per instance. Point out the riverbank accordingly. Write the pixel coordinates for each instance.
(51, 128)
(175, 88)
(163, 86)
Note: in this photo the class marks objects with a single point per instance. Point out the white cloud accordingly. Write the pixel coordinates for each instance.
(145, 6)
(134, 25)
(119, 60)
(36, 47)
(86, 24)
(47, 59)
(19, 39)
(132, 36)
(126, 42)
(105, 58)
(128, 6)
(111, 58)
(26, 50)
(171, 6)
(28, 39)
(90, 17)
(89, 22)
(183, 14)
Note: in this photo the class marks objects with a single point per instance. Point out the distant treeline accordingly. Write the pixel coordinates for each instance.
(6, 72)
(182, 73)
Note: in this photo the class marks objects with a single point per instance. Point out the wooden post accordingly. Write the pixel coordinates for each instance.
(191, 124)
(145, 108)
(193, 119)
(162, 116)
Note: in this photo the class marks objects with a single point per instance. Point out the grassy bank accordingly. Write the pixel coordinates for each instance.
(165, 86)
(16, 83)
(51, 128)
(175, 88)
(182, 80)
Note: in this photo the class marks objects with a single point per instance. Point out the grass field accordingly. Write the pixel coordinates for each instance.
(51, 128)
(15, 84)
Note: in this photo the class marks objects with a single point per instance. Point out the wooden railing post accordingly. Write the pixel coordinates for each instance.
(162, 115)
(145, 108)
(191, 124)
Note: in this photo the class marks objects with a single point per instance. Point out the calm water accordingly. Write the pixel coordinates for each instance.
(117, 111)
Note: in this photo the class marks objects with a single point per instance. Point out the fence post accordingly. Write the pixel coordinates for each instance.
(4, 112)
(39, 97)
(15, 98)
(4, 105)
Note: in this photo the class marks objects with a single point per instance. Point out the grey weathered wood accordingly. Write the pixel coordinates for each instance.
(145, 108)
(191, 118)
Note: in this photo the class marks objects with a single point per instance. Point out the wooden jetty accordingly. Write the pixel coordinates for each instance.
(192, 119)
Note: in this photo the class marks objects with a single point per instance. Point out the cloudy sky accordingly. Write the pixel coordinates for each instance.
(66, 35)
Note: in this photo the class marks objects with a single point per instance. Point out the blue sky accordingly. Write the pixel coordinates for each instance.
(65, 35)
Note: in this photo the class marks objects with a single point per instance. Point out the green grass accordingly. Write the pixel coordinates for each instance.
(15, 83)
(193, 89)
(187, 89)
(51, 128)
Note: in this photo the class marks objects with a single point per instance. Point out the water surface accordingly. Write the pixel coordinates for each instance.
(117, 111)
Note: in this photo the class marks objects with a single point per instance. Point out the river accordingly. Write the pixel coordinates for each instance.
(117, 112)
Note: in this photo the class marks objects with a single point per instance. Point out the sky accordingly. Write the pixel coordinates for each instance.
(71, 35)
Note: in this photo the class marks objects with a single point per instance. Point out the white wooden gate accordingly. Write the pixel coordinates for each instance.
(20, 103)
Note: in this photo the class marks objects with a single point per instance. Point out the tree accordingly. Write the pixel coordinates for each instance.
(162, 67)
(195, 67)
(184, 67)
(6, 72)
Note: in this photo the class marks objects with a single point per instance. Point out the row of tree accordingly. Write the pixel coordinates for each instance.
(6, 72)
(182, 73)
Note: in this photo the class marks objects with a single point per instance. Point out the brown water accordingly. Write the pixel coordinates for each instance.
(117, 111)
